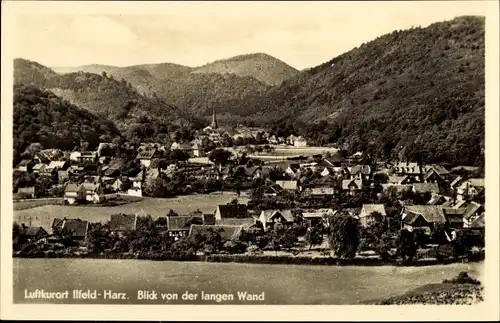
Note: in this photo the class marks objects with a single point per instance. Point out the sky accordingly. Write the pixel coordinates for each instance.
(195, 33)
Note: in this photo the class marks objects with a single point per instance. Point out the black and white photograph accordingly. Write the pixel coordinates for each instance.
(250, 153)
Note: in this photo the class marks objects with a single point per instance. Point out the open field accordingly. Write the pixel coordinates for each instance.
(282, 284)
(43, 215)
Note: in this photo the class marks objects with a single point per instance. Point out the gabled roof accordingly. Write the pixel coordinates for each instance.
(146, 154)
(439, 169)
(245, 222)
(33, 231)
(397, 179)
(57, 164)
(472, 209)
(233, 211)
(24, 162)
(456, 181)
(269, 214)
(425, 187)
(76, 226)
(437, 199)
(122, 222)
(431, 213)
(91, 186)
(39, 167)
(71, 187)
(287, 185)
(476, 182)
(478, 223)
(227, 232)
(348, 183)
(408, 168)
(182, 222)
(460, 204)
(372, 208)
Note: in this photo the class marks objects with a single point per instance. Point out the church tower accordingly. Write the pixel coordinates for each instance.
(213, 125)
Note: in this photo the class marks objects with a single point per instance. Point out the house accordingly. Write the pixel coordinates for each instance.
(300, 142)
(75, 156)
(28, 192)
(436, 174)
(399, 180)
(244, 222)
(352, 185)
(411, 169)
(313, 217)
(26, 165)
(38, 168)
(273, 190)
(231, 211)
(319, 191)
(397, 187)
(134, 191)
(58, 165)
(425, 188)
(470, 188)
(34, 233)
(45, 156)
(146, 156)
(197, 149)
(360, 172)
(472, 212)
(287, 185)
(88, 157)
(422, 217)
(74, 193)
(183, 146)
(93, 192)
(455, 217)
(273, 140)
(368, 211)
(179, 226)
(293, 170)
(75, 227)
(270, 217)
(478, 223)
(438, 199)
(227, 232)
(456, 182)
(122, 222)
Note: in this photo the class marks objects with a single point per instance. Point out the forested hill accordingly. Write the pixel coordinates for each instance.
(106, 97)
(265, 68)
(423, 82)
(42, 117)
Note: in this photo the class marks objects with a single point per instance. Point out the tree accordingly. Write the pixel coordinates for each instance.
(314, 235)
(407, 245)
(172, 213)
(220, 156)
(344, 235)
(281, 237)
(178, 155)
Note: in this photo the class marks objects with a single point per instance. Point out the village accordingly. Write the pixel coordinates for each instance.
(293, 200)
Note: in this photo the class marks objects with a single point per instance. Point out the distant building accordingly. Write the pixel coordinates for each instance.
(227, 232)
(122, 222)
(74, 193)
(288, 185)
(146, 156)
(300, 142)
(425, 188)
(34, 233)
(470, 188)
(227, 211)
(76, 228)
(422, 217)
(352, 185)
(269, 218)
(367, 214)
(26, 165)
(29, 192)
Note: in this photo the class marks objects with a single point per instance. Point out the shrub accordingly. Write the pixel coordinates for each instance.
(462, 278)
(254, 251)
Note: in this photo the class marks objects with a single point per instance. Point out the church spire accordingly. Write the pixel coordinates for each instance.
(214, 120)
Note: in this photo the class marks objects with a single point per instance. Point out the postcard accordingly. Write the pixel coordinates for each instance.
(250, 160)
